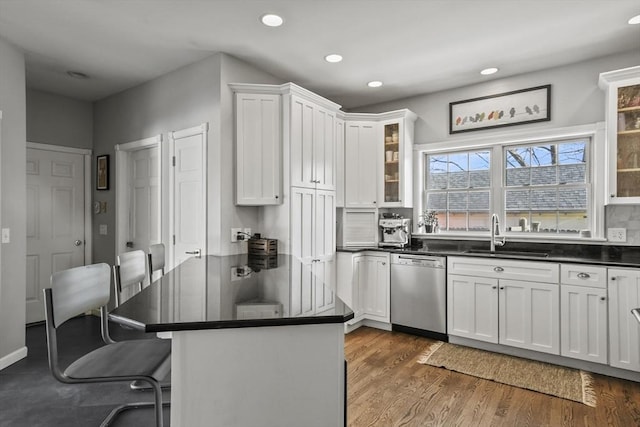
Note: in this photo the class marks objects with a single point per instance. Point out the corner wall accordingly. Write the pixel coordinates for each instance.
(12, 204)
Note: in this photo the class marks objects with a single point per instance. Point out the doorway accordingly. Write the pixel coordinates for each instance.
(58, 217)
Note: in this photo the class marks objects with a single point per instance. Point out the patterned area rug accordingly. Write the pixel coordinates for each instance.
(542, 377)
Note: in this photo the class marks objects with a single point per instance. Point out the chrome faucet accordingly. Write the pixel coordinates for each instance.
(495, 231)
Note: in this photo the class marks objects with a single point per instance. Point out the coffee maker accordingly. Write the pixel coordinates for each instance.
(395, 232)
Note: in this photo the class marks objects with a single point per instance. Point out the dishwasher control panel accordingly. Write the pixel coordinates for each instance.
(418, 260)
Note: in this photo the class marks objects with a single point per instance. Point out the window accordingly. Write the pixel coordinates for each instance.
(546, 187)
(459, 190)
(535, 187)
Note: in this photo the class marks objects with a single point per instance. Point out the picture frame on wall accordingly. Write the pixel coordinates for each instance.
(102, 172)
(504, 109)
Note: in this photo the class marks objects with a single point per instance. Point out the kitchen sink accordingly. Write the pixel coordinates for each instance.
(515, 254)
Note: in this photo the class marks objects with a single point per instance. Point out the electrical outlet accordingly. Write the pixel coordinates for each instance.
(239, 273)
(617, 234)
(234, 234)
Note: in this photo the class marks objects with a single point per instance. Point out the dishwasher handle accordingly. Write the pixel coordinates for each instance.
(418, 261)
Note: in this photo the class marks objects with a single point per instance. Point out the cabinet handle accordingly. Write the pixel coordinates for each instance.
(498, 269)
(276, 197)
(502, 287)
(384, 263)
(494, 287)
(374, 202)
(583, 275)
(612, 195)
(603, 298)
(613, 278)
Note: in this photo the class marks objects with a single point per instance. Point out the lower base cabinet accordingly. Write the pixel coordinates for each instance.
(624, 329)
(364, 285)
(501, 308)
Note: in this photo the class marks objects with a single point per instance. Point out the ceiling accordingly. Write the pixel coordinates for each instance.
(413, 46)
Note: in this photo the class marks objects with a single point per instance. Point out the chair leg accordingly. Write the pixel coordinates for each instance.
(157, 405)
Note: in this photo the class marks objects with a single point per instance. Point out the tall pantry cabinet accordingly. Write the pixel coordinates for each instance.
(303, 217)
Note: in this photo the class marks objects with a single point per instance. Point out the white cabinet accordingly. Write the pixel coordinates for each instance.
(360, 164)
(258, 120)
(340, 164)
(313, 155)
(583, 312)
(623, 133)
(395, 180)
(472, 307)
(624, 329)
(527, 314)
(313, 250)
(364, 285)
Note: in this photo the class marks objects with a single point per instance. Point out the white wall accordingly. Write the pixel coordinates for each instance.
(59, 120)
(12, 203)
(186, 97)
(575, 98)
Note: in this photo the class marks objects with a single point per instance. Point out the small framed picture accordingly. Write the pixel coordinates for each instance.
(102, 172)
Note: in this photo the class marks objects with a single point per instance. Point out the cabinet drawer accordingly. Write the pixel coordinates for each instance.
(532, 271)
(583, 275)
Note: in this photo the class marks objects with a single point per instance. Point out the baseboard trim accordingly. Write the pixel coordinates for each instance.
(13, 357)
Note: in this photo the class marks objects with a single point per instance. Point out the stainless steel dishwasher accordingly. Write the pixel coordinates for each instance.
(419, 295)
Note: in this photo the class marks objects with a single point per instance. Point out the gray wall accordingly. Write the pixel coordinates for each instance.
(186, 97)
(59, 120)
(12, 199)
(576, 99)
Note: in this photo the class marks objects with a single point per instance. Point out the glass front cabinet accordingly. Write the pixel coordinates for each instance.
(623, 134)
(396, 178)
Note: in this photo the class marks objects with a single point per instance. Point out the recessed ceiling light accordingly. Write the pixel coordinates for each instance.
(375, 83)
(77, 75)
(333, 57)
(635, 20)
(488, 71)
(271, 20)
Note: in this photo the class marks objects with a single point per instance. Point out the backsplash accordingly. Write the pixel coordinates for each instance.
(624, 216)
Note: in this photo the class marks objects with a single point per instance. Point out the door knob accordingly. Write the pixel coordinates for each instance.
(77, 242)
(197, 253)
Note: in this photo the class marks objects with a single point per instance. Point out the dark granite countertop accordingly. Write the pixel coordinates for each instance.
(235, 291)
(615, 256)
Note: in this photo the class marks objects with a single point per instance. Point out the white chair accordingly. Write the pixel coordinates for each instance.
(129, 274)
(155, 260)
(81, 289)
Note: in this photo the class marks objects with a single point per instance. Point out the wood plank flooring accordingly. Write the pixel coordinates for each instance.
(387, 388)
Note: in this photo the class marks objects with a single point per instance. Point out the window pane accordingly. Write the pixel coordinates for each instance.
(437, 178)
(544, 155)
(479, 221)
(544, 199)
(457, 221)
(544, 175)
(571, 174)
(574, 199)
(479, 179)
(437, 201)
(479, 201)
(458, 201)
(517, 200)
(570, 153)
(572, 222)
(518, 157)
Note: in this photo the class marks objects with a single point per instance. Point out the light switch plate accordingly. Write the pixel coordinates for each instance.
(103, 229)
(617, 234)
(6, 235)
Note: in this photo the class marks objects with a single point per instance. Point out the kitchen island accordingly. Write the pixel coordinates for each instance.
(251, 345)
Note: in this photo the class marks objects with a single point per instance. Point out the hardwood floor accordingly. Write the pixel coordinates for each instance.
(387, 387)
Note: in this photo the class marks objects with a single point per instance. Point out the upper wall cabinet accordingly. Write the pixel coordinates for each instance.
(360, 170)
(379, 154)
(395, 183)
(313, 145)
(258, 148)
(623, 134)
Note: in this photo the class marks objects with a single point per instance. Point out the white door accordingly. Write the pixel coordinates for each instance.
(144, 199)
(624, 330)
(472, 307)
(302, 134)
(375, 288)
(55, 221)
(360, 160)
(189, 195)
(529, 315)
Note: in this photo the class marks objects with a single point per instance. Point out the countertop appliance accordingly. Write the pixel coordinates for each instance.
(395, 232)
(419, 295)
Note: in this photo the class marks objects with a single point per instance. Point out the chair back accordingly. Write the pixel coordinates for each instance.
(156, 260)
(129, 271)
